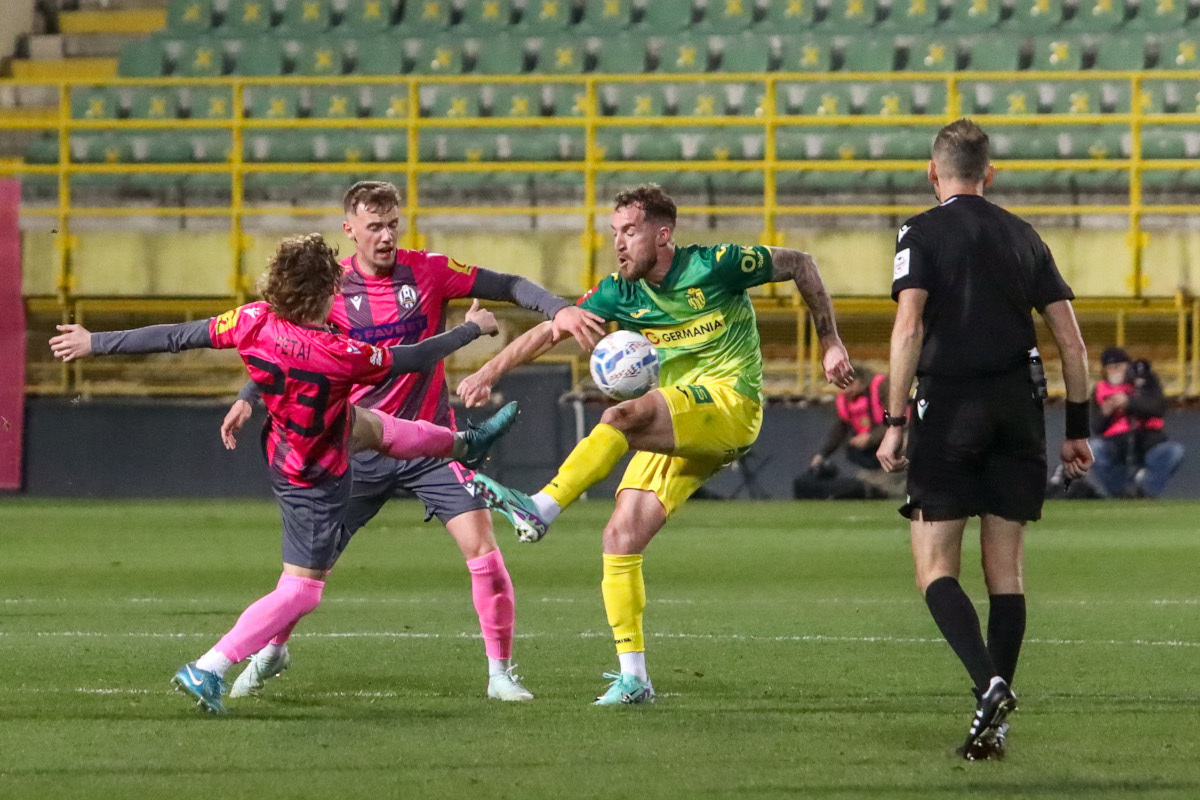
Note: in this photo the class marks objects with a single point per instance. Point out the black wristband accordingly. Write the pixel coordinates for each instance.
(895, 422)
(1078, 426)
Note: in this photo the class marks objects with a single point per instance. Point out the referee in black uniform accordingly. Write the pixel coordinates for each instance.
(966, 277)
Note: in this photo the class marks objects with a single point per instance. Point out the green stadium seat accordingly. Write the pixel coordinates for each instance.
(682, 53)
(1180, 96)
(380, 55)
(869, 55)
(442, 56)
(247, 18)
(888, 99)
(807, 54)
(849, 16)
(641, 145)
(1096, 16)
(1091, 143)
(185, 17)
(747, 52)
(498, 55)
(94, 102)
(1035, 16)
(973, 16)
(273, 102)
(659, 16)
(1057, 53)
(932, 53)
(994, 54)
(814, 99)
(424, 17)
(343, 145)
(1000, 97)
(487, 18)
(1077, 97)
(159, 148)
(1179, 51)
(153, 102)
(1158, 16)
(1152, 97)
(144, 58)
(208, 102)
(100, 147)
(541, 17)
(565, 100)
(264, 58)
(211, 147)
(1124, 52)
(911, 16)
(336, 102)
(42, 150)
(278, 147)
(451, 101)
(388, 100)
(518, 100)
(1169, 142)
(727, 16)
(724, 144)
(929, 98)
(605, 17)
(301, 17)
(200, 58)
(633, 99)
(533, 145)
(318, 57)
(700, 99)
(457, 147)
(905, 145)
(562, 55)
(788, 16)
(620, 55)
(368, 17)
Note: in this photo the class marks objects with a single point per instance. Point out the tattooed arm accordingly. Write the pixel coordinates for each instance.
(800, 268)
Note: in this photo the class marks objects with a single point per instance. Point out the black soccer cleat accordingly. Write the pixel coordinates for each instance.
(480, 438)
(985, 739)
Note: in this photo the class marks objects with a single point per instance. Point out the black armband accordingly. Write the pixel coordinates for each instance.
(1078, 426)
(895, 422)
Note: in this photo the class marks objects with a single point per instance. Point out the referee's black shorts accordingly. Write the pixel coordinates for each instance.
(977, 446)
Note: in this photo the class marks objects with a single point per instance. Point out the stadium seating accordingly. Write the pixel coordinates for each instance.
(911, 16)
(1035, 16)
(1096, 16)
(606, 17)
(189, 16)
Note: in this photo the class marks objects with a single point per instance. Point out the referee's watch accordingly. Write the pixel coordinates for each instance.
(895, 422)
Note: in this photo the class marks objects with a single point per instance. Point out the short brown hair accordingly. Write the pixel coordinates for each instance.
(657, 204)
(301, 277)
(961, 150)
(379, 195)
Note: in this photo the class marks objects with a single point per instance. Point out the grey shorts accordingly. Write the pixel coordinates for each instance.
(440, 484)
(314, 520)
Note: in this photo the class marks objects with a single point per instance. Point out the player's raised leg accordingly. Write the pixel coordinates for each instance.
(405, 439)
(639, 515)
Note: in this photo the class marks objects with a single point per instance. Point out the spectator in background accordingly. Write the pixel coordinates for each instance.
(1133, 455)
(859, 428)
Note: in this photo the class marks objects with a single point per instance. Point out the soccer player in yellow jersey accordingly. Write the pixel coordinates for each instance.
(692, 303)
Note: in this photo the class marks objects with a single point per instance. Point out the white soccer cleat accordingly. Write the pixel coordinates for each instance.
(260, 670)
(506, 686)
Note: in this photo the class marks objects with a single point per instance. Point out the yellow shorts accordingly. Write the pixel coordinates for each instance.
(714, 425)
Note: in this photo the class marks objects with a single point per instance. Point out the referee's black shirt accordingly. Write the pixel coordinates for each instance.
(985, 270)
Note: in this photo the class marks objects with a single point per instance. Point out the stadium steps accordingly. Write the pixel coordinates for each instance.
(66, 68)
(132, 21)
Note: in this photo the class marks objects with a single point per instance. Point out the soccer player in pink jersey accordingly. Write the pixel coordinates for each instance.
(305, 372)
(396, 296)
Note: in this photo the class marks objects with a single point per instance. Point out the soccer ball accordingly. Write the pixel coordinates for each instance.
(625, 365)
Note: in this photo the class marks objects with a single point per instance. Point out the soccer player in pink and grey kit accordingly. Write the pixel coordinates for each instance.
(305, 372)
(394, 296)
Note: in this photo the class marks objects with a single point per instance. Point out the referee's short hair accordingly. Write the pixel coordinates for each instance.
(961, 151)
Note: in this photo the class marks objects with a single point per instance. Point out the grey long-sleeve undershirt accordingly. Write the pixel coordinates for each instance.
(193, 335)
(491, 285)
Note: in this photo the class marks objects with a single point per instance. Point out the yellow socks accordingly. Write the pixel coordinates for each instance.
(591, 460)
(624, 593)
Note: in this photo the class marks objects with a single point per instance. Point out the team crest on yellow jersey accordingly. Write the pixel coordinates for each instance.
(695, 297)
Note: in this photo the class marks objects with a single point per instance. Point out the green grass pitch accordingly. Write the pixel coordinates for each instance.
(792, 655)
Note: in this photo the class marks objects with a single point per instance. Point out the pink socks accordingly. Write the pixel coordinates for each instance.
(271, 615)
(492, 590)
(405, 439)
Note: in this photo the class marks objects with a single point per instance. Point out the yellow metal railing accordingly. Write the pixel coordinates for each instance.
(589, 120)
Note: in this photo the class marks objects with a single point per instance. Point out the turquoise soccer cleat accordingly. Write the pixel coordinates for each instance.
(626, 689)
(260, 670)
(480, 438)
(517, 506)
(207, 687)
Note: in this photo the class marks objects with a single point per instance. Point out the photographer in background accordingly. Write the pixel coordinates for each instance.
(859, 428)
(1133, 456)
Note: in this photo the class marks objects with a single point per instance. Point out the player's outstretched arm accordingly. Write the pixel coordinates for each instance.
(416, 357)
(76, 341)
(1076, 453)
(239, 414)
(568, 320)
(800, 268)
(476, 389)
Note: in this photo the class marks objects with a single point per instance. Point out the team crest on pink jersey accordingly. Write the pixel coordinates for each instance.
(406, 296)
